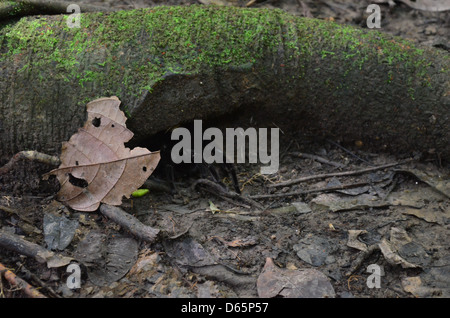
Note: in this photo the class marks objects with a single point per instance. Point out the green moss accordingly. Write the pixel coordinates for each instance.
(190, 40)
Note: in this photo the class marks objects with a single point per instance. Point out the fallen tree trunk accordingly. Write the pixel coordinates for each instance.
(173, 64)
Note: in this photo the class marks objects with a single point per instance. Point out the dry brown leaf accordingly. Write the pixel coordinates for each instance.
(298, 283)
(391, 256)
(95, 164)
(249, 241)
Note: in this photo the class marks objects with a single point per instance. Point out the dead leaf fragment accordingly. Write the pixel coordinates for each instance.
(95, 164)
(391, 256)
(353, 240)
(415, 286)
(431, 214)
(213, 208)
(107, 258)
(306, 283)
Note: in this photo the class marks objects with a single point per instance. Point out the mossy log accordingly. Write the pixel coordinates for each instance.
(20, 8)
(174, 64)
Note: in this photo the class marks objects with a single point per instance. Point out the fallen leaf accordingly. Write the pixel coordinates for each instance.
(414, 285)
(207, 289)
(107, 258)
(391, 256)
(58, 231)
(213, 207)
(315, 250)
(399, 237)
(436, 179)
(431, 213)
(353, 240)
(306, 283)
(55, 260)
(95, 164)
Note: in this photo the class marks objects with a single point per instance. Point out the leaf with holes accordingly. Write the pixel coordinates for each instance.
(95, 164)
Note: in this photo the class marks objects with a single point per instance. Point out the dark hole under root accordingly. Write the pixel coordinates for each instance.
(171, 172)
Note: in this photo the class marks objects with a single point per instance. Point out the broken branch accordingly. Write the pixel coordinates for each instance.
(17, 244)
(218, 190)
(317, 158)
(294, 193)
(29, 155)
(129, 223)
(337, 174)
(20, 283)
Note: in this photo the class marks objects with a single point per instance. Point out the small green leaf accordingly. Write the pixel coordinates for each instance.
(139, 193)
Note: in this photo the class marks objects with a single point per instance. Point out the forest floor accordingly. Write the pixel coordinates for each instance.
(338, 229)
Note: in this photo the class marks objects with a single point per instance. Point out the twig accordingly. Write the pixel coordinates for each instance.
(294, 193)
(14, 211)
(254, 177)
(337, 174)
(20, 283)
(349, 152)
(39, 281)
(218, 190)
(17, 244)
(129, 223)
(361, 258)
(9, 210)
(317, 158)
(229, 200)
(29, 155)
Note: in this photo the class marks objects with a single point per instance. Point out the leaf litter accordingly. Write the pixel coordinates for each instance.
(95, 164)
(280, 228)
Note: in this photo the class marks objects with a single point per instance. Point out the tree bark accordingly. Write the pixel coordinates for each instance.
(173, 64)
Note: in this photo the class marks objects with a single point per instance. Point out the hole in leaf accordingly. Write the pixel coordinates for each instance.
(96, 122)
(76, 163)
(112, 125)
(144, 168)
(81, 183)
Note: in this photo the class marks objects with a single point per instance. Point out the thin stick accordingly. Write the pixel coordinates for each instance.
(218, 190)
(294, 193)
(129, 223)
(29, 155)
(20, 283)
(39, 281)
(17, 244)
(361, 258)
(317, 158)
(337, 174)
(349, 152)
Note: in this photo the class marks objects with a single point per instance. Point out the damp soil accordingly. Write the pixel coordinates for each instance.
(214, 245)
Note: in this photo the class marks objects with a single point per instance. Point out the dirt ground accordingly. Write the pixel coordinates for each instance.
(216, 245)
